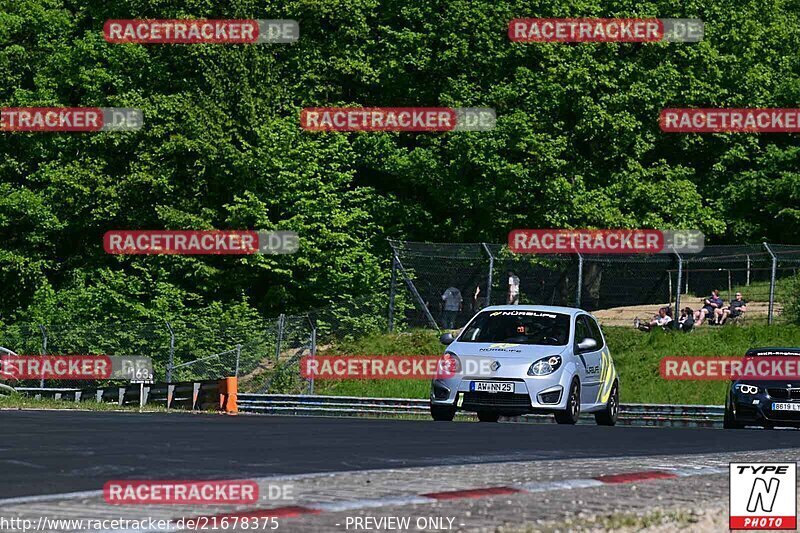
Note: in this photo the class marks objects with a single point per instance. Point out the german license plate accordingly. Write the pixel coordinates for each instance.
(786, 406)
(491, 386)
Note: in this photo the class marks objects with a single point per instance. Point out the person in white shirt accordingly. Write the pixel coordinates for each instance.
(513, 289)
(663, 319)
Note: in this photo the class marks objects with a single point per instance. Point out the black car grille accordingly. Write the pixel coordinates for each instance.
(789, 416)
(440, 392)
(784, 394)
(746, 411)
(497, 399)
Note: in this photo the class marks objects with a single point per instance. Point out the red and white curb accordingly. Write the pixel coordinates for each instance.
(291, 511)
(433, 497)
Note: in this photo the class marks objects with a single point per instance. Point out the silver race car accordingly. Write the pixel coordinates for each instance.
(515, 359)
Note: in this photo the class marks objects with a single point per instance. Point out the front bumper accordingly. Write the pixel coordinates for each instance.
(757, 410)
(531, 394)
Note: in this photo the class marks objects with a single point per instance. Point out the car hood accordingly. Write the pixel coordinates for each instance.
(771, 383)
(500, 350)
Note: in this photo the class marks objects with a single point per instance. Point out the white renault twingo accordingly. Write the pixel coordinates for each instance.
(515, 359)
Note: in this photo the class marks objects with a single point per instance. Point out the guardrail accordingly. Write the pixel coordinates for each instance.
(635, 414)
(217, 394)
(208, 395)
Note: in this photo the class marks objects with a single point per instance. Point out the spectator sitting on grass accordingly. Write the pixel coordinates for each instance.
(710, 305)
(737, 308)
(663, 319)
(686, 320)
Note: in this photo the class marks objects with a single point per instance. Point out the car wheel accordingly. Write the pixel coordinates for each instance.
(608, 416)
(488, 416)
(573, 411)
(443, 413)
(729, 418)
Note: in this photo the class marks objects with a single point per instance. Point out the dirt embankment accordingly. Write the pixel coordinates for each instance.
(623, 316)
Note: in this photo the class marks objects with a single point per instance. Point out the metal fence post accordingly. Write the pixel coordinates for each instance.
(489, 277)
(580, 280)
(730, 289)
(669, 289)
(687, 282)
(43, 351)
(771, 282)
(171, 363)
(313, 355)
(238, 353)
(748, 270)
(392, 292)
(678, 284)
(416, 294)
(279, 339)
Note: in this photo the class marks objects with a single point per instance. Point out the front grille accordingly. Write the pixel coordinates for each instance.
(788, 416)
(746, 411)
(784, 394)
(497, 399)
(440, 392)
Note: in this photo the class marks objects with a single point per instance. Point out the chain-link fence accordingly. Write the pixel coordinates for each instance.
(616, 288)
(322, 327)
(265, 353)
(180, 351)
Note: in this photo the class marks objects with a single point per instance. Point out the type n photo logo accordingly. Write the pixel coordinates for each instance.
(763, 496)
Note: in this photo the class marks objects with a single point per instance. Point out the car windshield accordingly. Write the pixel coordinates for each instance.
(518, 327)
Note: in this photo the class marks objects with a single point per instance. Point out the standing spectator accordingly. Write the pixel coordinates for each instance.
(737, 308)
(479, 297)
(686, 320)
(710, 306)
(513, 289)
(452, 305)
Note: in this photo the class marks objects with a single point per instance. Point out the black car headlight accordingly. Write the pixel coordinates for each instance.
(746, 388)
(545, 365)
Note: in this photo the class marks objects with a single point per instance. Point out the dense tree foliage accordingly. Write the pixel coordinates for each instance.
(577, 143)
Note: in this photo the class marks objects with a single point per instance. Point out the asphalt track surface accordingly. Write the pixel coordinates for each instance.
(46, 452)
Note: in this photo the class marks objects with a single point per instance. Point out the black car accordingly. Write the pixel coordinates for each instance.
(763, 403)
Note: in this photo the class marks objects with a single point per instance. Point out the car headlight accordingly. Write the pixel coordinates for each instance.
(744, 388)
(449, 365)
(544, 366)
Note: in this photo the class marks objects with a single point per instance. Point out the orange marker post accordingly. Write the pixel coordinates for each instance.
(228, 388)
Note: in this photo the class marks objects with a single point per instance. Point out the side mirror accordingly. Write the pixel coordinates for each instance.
(587, 344)
(446, 338)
